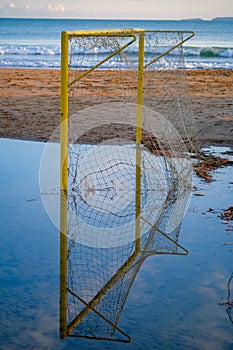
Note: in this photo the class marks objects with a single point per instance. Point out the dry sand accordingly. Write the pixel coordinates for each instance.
(29, 102)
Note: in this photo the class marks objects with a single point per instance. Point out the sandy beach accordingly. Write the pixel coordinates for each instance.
(30, 102)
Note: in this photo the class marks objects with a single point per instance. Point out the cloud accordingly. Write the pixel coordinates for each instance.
(12, 5)
(13, 10)
(58, 8)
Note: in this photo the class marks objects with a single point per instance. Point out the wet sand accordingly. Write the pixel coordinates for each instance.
(30, 102)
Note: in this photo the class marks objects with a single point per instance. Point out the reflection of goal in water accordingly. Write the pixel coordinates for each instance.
(125, 169)
(103, 253)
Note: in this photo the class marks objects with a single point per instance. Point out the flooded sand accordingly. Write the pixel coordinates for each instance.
(174, 301)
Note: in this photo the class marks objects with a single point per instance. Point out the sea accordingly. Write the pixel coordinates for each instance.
(35, 43)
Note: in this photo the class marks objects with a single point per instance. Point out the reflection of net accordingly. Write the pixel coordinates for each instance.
(229, 303)
(111, 174)
(103, 257)
(100, 278)
(103, 287)
(103, 195)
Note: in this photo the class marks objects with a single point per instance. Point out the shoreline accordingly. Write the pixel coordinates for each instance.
(30, 102)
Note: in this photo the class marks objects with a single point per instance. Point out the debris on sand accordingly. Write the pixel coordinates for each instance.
(204, 167)
(227, 216)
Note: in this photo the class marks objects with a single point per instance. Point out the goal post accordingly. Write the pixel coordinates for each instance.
(63, 184)
(125, 175)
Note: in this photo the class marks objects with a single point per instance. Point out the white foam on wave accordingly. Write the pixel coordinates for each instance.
(48, 56)
(29, 50)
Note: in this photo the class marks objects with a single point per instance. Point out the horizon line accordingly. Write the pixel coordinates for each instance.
(124, 19)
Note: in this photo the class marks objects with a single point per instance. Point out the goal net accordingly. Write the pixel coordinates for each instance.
(126, 136)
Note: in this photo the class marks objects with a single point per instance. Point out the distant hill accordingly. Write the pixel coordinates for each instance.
(222, 18)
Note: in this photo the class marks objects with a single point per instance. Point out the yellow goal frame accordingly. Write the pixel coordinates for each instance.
(133, 34)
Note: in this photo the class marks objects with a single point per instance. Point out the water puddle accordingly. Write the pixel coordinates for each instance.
(172, 301)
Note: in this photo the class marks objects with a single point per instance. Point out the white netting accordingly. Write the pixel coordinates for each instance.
(112, 177)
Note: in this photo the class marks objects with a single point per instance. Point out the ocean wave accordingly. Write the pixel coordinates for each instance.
(191, 64)
(49, 56)
(28, 50)
(209, 52)
(195, 65)
(28, 64)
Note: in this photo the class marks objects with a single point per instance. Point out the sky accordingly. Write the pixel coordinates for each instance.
(123, 9)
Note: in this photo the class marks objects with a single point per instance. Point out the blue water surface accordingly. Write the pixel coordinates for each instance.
(174, 301)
